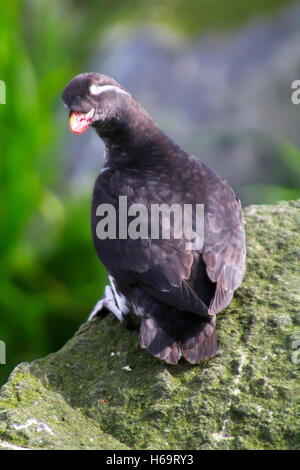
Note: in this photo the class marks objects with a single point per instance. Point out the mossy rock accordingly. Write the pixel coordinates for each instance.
(102, 391)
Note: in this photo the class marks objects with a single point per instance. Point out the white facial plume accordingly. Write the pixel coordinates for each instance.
(98, 89)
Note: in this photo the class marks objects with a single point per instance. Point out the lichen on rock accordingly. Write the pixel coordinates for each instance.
(101, 391)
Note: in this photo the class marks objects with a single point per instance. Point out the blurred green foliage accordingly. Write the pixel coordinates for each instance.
(268, 193)
(50, 276)
(192, 16)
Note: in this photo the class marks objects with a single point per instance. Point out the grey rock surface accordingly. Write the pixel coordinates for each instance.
(102, 391)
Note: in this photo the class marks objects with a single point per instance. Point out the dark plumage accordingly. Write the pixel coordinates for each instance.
(176, 293)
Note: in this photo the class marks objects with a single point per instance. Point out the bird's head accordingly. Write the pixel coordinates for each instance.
(95, 100)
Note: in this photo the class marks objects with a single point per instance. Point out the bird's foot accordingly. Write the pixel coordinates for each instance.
(106, 305)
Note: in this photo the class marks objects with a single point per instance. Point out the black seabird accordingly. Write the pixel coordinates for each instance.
(176, 292)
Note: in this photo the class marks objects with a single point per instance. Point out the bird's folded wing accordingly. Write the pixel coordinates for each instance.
(162, 268)
(224, 251)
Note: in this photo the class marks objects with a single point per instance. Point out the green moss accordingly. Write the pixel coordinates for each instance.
(245, 398)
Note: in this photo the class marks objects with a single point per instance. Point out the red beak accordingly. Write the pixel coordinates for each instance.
(79, 122)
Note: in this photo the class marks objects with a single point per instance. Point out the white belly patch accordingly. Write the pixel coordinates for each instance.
(121, 301)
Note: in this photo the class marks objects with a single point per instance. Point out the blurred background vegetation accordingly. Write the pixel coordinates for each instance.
(50, 277)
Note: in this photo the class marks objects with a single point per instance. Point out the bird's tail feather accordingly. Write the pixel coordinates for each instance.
(195, 343)
(158, 342)
(201, 345)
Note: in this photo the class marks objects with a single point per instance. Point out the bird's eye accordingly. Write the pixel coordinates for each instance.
(95, 90)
